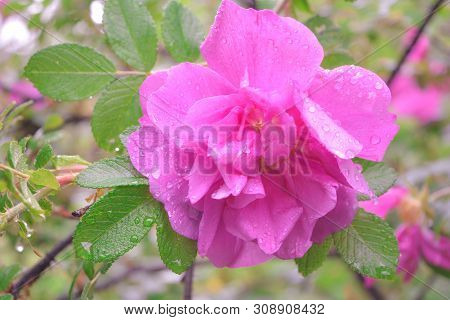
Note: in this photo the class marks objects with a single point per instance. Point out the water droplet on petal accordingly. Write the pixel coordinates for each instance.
(378, 85)
(312, 109)
(156, 173)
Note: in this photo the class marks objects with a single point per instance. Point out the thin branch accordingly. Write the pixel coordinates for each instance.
(187, 280)
(15, 211)
(280, 6)
(445, 192)
(372, 291)
(16, 172)
(34, 272)
(433, 9)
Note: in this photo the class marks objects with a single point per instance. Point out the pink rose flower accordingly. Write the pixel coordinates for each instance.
(23, 90)
(420, 49)
(415, 241)
(251, 156)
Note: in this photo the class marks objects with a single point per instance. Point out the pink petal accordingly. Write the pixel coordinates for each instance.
(357, 99)
(268, 220)
(409, 239)
(261, 49)
(152, 83)
(186, 83)
(298, 242)
(227, 250)
(163, 164)
(339, 218)
(253, 190)
(336, 139)
(436, 249)
(411, 100)
(211, 217)
(200, 181)
(385, 203)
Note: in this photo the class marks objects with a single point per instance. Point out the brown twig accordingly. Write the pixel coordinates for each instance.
(187, 280)
(433, 9)
(280, 6)
(35, 271)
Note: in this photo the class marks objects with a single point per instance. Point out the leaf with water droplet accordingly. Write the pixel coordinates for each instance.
(378, 175)
(112, 235)
(117, 109)
(177, 252)
(109, 173)
(369, 246)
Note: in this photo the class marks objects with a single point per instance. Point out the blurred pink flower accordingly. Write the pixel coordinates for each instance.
(251, 156)
(415, 241)
(23, 90)
(409, 98)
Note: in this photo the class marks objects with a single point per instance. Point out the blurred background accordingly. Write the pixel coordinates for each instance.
(370, 33)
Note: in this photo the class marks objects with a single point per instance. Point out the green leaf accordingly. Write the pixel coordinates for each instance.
(336, 59)
(7, 275)
(45, 178)
(131, 32)
(177, 252)
(369, 246)
(109, 173)
(117, 109)
(302, 5)
(115, 224)
(181, 32)
(319, 24)
(7, 296)
(88, 268)
(54, 121)
(314, 258)
(60, 161)
(43, 157)
(378, 175)
(69, 71)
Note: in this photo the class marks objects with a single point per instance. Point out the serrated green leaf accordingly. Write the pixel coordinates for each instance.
(7, 297)
(45, 178)
(181, 32)
(336, 59)
(43, 157)
(369, 246)
(115, 224)
(319, 24)
(69, 71)
(117, 109)
(378, 175)
(314, 258)
(64, 161)
(131, 32)
(109, 173)
(7, 275)
(88, 268)
(177, 252)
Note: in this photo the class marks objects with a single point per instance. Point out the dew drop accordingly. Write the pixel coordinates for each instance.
(134, 239)
(350, 154)
(137, 220)
(312, 109)
(378, 86)
(148, 222)
(156, 174)
(19, 248)
(326, 128)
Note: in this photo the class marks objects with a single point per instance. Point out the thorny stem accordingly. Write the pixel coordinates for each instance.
(433, 9)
